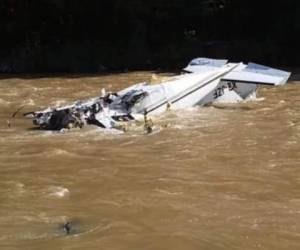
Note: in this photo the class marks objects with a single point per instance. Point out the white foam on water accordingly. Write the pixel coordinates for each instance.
(29, 102)
(58, 192)
(20, 188)
(253, 98)
(58, 103)
(3, 102)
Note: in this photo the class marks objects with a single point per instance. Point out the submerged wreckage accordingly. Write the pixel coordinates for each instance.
(204, 81)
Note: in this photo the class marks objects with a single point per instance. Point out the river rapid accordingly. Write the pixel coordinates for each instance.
(225, 177)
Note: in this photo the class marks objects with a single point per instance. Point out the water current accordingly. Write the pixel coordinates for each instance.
(225, 177)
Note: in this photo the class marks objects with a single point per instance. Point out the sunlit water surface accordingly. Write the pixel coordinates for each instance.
(206, 178)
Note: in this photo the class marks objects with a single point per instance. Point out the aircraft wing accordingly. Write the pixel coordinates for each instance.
(258, 74)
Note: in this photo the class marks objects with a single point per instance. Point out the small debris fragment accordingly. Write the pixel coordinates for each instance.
(17, 111)
(67, 227)
(148, 124)
(148, 129)
(168, 106)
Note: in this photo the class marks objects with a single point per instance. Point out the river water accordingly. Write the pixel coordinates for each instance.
(207, 178)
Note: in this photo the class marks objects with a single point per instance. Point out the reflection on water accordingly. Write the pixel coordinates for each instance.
(207, 178)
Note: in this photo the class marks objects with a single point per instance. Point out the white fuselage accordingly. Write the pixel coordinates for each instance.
(183, 91)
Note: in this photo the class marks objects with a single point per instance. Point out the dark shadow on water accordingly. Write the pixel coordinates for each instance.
(232, 107)
(58, 75)
(4, 76)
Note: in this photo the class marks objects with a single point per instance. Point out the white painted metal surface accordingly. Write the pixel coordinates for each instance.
(208, 81)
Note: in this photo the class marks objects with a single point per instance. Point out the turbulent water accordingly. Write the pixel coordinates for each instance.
(225, 177)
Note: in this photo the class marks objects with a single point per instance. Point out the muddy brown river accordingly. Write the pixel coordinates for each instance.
(225, 177)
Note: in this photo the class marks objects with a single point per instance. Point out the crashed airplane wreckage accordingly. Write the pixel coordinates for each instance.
(205, 81)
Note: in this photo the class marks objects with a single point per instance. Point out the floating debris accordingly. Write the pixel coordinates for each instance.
(67, 227)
